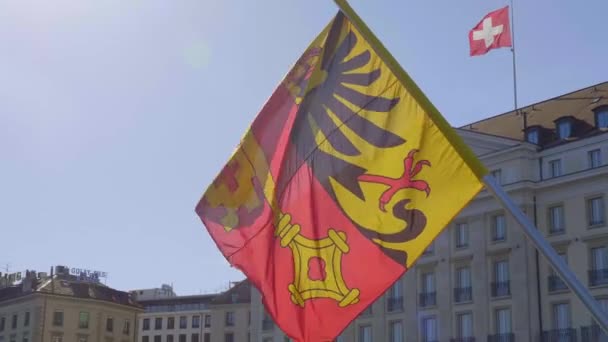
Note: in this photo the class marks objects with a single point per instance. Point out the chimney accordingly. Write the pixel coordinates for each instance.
(29, 282)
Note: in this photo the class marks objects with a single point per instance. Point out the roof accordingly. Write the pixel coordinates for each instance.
(239, 293)
(69, 287)
(578, 104)
(198, 299)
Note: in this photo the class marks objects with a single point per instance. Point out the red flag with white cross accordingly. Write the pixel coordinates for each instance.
(492, 32)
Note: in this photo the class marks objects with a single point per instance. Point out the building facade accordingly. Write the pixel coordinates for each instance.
(64, 308)
(222, 317)
(481, 279)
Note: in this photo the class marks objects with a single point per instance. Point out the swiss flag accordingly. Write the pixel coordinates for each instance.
(492, 32)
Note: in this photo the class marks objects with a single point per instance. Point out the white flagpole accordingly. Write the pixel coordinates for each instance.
(512, 15)
(558, 264)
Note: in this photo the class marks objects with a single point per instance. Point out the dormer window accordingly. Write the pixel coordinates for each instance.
(601, 118)
(532, 136)
(564, 128)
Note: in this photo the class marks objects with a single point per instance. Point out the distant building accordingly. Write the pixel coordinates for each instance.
(65, 308)
(165, 291)
(220, 317)
(482, 279)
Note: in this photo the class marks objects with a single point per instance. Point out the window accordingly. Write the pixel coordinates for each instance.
(14, 321)
(561, 316)
(83, 338)
(499, 227)
(365, 333)
(146, 324)
(603, 303)
(395, 297)
(555, 168)
(158, 323)
(126, 328)
(183, 322)
(229, 337)
(598, 274)
(428, 295)
(207, 321)
(58, 318)
(171, 323)
(145, 339)
(207, 337)
(595, 209)
(601, 118)
(595, 158)
(600, 258)
(194, 338)
(395, 331)
(170, 338)
(465, 325)
(430, 249)
(501, 286)
(503, 321)
(463, 276)
(462, 235)
(26, 337)
(556, 219)
(463, 291)
(110, 324)
(395, 291)
(229, 319)
(182, 337)
(429, 329)
(56, 338)
(196, 321)
(83, 320)
(564, 129)
(2, 323)
(555, 281)
(497, 174)
(26, 319)
(532, 136)
(157, 338)
(428, 282)
(13, 338)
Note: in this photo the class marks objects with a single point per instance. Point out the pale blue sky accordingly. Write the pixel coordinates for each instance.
(115, 115)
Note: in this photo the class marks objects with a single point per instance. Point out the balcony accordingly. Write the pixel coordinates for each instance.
(394, 304)
(463, 294)
(509, 337)
(462, 244)
(559, 335)
(428, 299)
(501, 289)
(556, 230)
(593, 333)
(463, 339)
(556, 283)
(267, 325)
(598, 277)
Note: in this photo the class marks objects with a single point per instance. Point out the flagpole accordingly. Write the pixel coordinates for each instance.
(557, 263)
(479, 169)
(515, 68)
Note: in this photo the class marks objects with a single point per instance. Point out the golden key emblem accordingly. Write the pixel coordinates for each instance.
(326, 253)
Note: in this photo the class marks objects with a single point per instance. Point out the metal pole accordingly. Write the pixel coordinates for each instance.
(524, 115)
(558, 264)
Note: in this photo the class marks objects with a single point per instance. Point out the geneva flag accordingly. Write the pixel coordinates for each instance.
(340, 183)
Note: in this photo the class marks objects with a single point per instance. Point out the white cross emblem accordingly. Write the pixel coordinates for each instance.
(487, 32)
